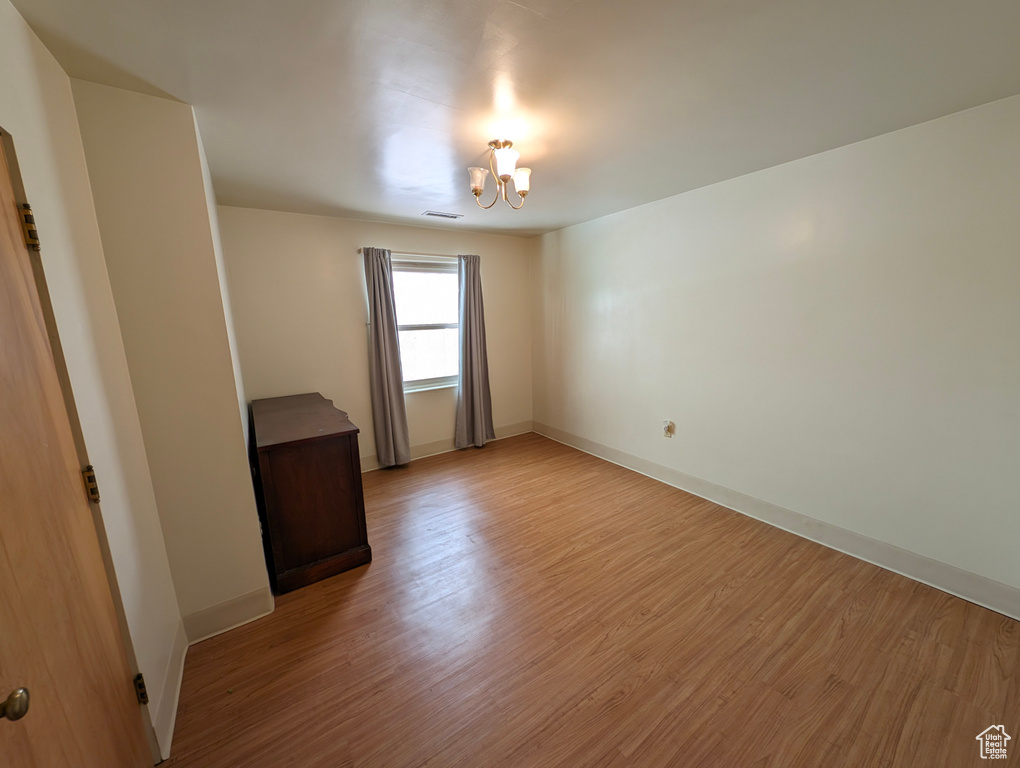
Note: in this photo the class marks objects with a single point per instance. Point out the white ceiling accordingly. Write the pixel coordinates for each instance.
(374, 108)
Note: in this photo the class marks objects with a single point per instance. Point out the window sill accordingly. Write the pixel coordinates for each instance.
(427, 386)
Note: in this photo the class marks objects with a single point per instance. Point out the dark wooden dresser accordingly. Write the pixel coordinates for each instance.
(307, 472)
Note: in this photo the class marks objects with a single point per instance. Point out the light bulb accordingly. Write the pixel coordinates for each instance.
(478, 176)
(506, 162)
(522, 181)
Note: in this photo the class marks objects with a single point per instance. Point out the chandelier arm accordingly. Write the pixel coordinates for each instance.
(478, 199)
(507, 201)
(499, 185)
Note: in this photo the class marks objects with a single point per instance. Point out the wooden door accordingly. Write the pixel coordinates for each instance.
(59, 636)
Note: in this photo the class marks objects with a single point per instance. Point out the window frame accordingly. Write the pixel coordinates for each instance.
(417, 262)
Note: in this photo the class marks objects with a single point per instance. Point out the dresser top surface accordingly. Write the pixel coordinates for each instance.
(296, 418)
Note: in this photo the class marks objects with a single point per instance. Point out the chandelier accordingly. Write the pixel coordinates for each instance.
(506, 170)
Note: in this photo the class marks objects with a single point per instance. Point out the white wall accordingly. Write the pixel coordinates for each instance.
(36, 107)
(146, 172)
(837, 336)
(221, 275)
(298, 289)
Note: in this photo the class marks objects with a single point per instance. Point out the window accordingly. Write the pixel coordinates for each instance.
(427, 294)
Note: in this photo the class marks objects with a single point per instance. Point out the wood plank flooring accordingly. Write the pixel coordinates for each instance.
(530, 605)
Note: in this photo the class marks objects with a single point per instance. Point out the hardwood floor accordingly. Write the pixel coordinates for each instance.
(530, 605)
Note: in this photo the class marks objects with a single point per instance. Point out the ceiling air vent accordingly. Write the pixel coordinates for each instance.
(443, 215)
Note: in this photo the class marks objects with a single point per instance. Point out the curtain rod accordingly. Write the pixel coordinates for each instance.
(416, 253)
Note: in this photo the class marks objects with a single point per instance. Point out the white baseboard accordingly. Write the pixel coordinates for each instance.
(370, 462)
(217, 619)
(983, 591)
(164, 714)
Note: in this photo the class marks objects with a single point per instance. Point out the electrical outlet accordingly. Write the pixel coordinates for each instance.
(668, 427)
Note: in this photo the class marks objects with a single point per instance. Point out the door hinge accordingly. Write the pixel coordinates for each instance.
(28, 226)
(91, 486)
(140, 692)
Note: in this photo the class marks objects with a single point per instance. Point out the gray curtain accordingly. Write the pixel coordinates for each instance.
(389, 415)
(474, 403)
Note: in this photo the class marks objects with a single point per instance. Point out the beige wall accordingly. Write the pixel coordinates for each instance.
(836, 336)
(145, 166)
(298, 289)
(36, 107)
